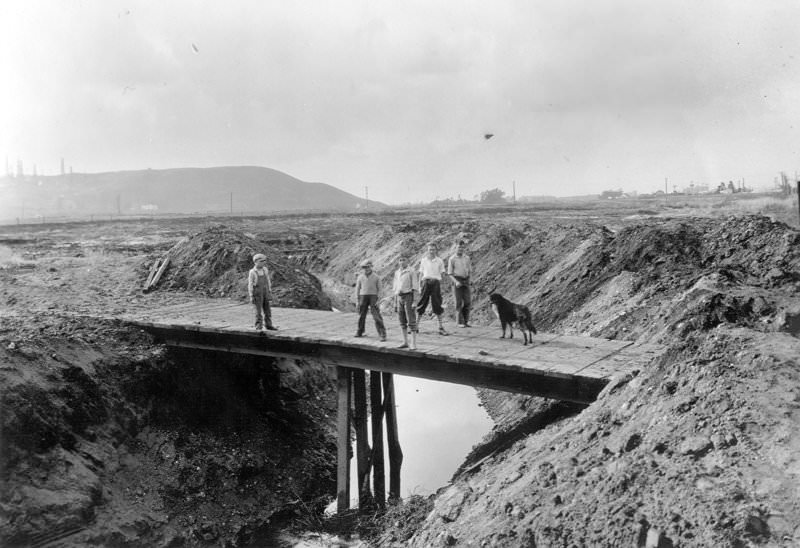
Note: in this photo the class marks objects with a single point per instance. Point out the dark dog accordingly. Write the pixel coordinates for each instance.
(508, 313)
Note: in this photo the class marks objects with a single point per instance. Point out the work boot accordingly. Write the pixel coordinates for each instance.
(405, 340)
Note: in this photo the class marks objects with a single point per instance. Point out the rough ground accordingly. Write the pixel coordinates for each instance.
(699, 449)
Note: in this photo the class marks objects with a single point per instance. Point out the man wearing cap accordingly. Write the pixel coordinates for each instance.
(368, 287)
(259, 289)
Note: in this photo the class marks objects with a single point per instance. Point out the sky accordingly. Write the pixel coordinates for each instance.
(395, 99)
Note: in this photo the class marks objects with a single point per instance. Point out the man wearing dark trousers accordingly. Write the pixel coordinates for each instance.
(368, 288)
(431, 268)
(459, 269)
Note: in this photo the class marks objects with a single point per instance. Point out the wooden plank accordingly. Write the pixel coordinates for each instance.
(343, 439)
(392, 437)
(376, 405)
(152, 272)
(362, 443)
(473, 356)
(157, 277)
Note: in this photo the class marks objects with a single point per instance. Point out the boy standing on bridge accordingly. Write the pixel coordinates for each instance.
(406, 285)
(459, 268)
(368, 287)
(431, 268)
(259, 289)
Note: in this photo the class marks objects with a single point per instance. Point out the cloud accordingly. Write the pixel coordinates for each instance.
(398, 96)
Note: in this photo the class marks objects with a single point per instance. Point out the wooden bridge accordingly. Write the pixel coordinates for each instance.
(555, 366)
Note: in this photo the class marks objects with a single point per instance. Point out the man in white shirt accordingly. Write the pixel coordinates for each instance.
(405, 288)
(459, 268)
(431, 268)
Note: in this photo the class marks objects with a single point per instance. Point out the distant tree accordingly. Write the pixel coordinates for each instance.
(493, 196)
(611, 194)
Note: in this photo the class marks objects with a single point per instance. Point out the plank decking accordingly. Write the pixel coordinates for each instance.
(557, 366)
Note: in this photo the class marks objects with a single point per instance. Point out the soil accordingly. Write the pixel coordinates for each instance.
(109, 439)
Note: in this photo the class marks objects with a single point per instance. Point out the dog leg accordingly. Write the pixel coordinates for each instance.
(503, 327)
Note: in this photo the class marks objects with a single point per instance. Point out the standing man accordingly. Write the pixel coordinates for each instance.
(459, 269)
(406, 286)
(368, 287)
(431, 268)
(259, 289)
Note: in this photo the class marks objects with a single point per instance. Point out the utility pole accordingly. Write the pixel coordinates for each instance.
(366, 197)
(514, 191)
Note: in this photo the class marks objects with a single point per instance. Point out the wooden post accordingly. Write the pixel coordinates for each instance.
(152, 273)
(379, 480)
(343, 439)
(362, 441)
(395, 453)
(160, 272)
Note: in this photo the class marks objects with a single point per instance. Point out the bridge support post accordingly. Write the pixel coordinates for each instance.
(379, 480)
(362, 442)
(392, 439)
(343, 375)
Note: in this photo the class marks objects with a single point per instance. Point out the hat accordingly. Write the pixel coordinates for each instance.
(366, 263)
(259, 257)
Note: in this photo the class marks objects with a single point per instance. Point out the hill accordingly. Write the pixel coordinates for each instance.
(185, 190)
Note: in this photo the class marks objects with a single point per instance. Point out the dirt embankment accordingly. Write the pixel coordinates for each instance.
(111, 440)
(697, 450)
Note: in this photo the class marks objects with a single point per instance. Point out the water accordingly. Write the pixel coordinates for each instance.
(438, 423)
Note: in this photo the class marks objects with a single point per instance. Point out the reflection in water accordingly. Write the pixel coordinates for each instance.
(438, 423)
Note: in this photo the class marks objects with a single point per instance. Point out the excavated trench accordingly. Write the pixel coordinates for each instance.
(110, 439)
(122, 443)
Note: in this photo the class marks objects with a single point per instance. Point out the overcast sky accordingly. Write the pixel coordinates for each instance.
(397, 96)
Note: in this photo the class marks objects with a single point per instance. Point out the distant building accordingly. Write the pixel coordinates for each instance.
(611, 194)
(149, 207)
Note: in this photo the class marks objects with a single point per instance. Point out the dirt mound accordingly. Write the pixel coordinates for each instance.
(700, 450)
(216, 261)
(591, 280)
(118, 442)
